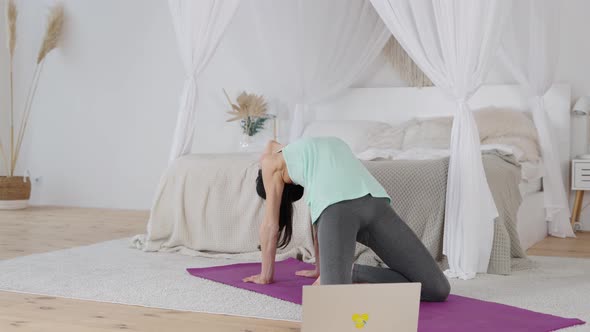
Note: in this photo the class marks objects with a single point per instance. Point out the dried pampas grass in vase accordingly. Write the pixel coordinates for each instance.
(15, 191)
(53, 34)
(252, 112)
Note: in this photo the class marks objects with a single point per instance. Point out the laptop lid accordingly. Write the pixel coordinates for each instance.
(361, 307)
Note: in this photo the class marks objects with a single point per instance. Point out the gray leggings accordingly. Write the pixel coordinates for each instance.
(372, 222)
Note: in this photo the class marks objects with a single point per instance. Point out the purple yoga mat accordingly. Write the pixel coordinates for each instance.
(457, 314)
(286, 286)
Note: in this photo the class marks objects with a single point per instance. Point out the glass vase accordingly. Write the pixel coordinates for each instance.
(246, 143)
(254, 134)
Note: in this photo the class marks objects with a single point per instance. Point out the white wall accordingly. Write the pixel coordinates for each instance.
(101, 122)
(106, 104)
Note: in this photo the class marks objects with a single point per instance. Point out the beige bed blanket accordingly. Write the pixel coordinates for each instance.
(207, 205)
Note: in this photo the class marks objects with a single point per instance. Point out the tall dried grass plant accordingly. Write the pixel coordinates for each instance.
(11, 15)
(53, 34)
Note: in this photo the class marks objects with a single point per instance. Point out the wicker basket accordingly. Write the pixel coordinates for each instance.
(15, 192)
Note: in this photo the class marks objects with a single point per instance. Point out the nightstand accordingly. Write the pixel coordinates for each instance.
(580, 183)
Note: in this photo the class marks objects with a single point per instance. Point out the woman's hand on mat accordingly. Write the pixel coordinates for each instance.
(317, 282)
(308, 273)
(258, 279)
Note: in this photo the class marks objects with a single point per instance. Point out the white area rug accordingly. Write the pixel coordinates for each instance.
(113, 272)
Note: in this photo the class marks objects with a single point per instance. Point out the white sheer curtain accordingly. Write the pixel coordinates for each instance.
(337, 41)
(199, 26)
(453, 42)
(530, 50)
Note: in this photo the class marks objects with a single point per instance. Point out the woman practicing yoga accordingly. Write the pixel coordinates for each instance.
(347, 205)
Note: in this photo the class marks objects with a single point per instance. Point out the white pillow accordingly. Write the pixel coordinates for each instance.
(353, 132)
(428, 133)
(388, 137)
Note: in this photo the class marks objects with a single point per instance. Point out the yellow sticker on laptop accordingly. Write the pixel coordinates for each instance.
(360, 320)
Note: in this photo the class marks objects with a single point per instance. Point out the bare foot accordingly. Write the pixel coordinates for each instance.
(308, 273)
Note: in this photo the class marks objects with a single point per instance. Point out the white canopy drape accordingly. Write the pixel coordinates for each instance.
(199, 26)
(453, 42)
(332, 56)
(530, 50)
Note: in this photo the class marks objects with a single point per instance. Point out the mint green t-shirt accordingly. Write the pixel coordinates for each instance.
(329, 172)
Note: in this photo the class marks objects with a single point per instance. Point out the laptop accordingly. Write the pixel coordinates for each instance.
(361, 307)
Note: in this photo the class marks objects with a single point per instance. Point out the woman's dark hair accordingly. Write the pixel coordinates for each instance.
(291, 193)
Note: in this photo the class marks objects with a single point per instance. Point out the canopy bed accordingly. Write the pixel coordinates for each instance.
(453, 43)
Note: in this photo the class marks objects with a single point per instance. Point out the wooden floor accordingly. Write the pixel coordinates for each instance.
(45, 229)
(552, 246)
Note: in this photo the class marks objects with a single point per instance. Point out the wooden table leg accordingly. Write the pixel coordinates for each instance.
(577, 206)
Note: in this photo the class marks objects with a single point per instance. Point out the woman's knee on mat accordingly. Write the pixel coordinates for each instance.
(436, 291)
